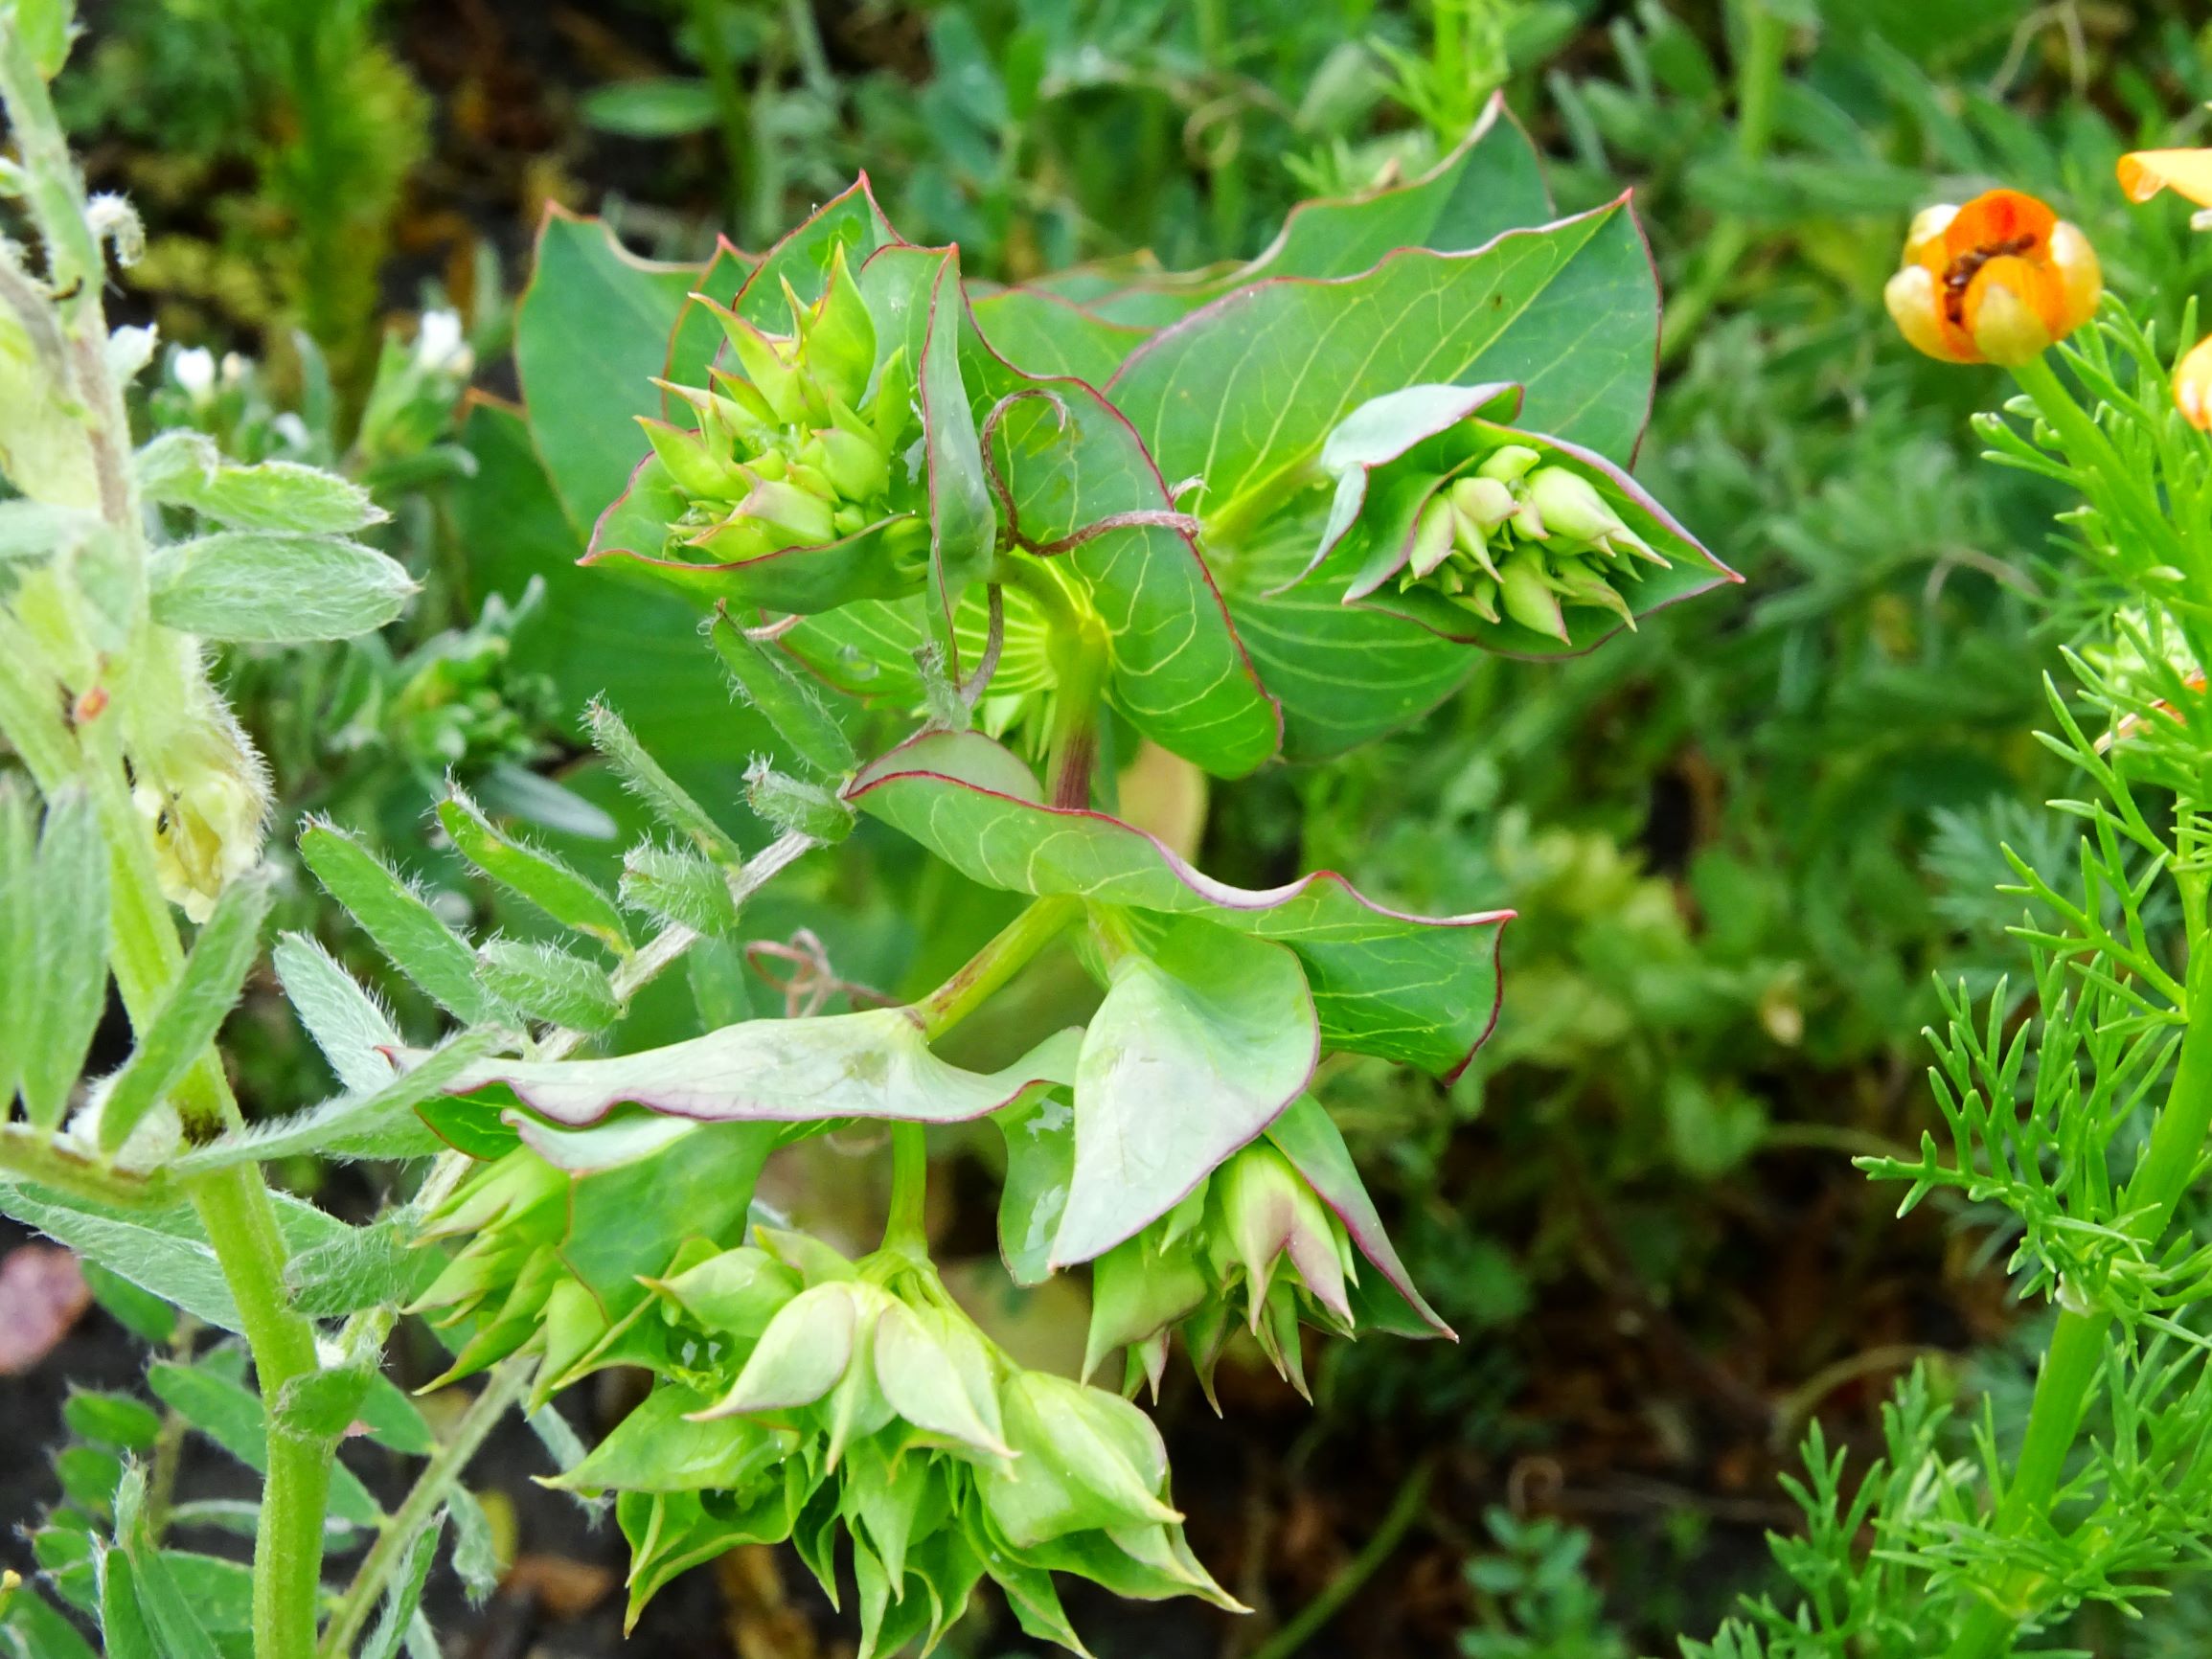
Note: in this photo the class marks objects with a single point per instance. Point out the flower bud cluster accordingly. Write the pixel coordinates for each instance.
(817, 1390)
(510, 1216)
(1252, 1248)
(779, 453)
(1521, 535)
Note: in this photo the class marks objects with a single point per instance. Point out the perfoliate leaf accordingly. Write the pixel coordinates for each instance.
(214, 972)
(274, 588)
(570, 899)
(1202, 1042)
(401, 923)
(1418, 989)
(874, 1064)
(65, 984)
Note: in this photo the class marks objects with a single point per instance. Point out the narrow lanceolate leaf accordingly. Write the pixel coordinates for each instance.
(669, 802)
(572, 899)
(874, 1064)
(547, 984)
(765, 679)
(1414, 989)
(275, 589)
(403, 925)
(677, 886)
(194, 1012)
(185, 469)
(65, 983)
(1202, 1042)
(230, 1413)
(373, 1122)
(18, 924)
(346, 1022)
(405, 1595)
(163, 1250)
(1569, 310)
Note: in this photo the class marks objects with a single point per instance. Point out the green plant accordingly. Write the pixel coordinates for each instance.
(2085, 1121)
(852, 465)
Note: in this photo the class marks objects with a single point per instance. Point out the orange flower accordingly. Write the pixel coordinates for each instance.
(1992, 281)
(2186, 172)
(2192, 385)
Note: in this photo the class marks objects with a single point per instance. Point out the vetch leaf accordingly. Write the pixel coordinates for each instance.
(65, 984)
(547, 984)
(184, 469)
(343, 1018)
(668, 801)
(1419, 989)
(372, 1122)
(162, 1249)
(405, 1595)
(654, 106)
(548, 882)
(784, 700)
(214, 972)
(274, 588)
(397, 918)
(874, 1064)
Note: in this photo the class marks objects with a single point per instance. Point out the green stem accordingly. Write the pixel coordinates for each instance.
(1405, 1508)
(1080, 664)
(997, 962)
(234, 1209)
(906, 1221)
(420, 1506)
(2076, 1352)
(1448, 54)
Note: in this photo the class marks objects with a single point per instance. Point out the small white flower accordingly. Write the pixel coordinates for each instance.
(293, 431)
(439, 346)
(234, 370)
(194, 371)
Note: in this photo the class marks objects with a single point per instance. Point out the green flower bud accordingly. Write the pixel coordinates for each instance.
(695, 469)
(769, 370)
(802, 1355)
(1271, 1214)
(1483, 501)
(856, 463)
(1571, 506)
(1089, 1461)
(837, 336)
(506, 1196)
(790, 514)
(1138, 1289)
(1509, 463)
(736, 1292)
(1432, 536)
(1527, 596)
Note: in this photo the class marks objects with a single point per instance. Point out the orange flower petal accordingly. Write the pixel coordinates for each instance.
(2192, 385)
(2014, 309)
(1916, 305)
(2186, 172)
(1997, 217)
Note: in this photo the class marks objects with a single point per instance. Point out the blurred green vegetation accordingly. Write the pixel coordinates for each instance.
(1740, 842)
